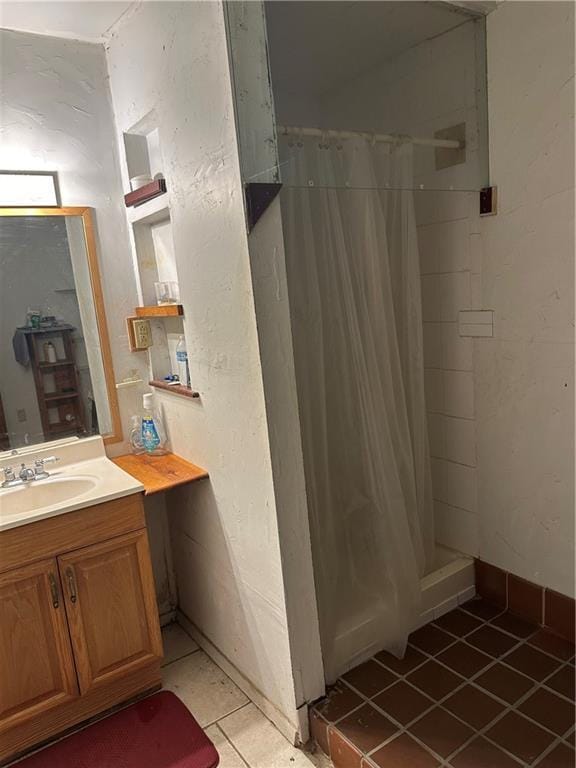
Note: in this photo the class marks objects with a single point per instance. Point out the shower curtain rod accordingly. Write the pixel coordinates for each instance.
(388, 138)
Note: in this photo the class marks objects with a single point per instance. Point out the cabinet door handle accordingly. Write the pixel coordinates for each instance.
(54, 590)
(71, 584)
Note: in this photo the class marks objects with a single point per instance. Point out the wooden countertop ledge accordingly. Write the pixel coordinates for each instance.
(160, 473)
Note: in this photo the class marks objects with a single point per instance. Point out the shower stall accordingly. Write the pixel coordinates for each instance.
(368, 121)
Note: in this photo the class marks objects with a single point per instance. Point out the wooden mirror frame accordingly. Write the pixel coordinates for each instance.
(89, 236)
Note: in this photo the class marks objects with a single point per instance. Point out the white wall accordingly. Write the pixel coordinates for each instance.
(255, 119)
(168, 63)
(524, 382)
(431, 86)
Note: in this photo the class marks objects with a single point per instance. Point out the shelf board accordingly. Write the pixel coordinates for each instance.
(57, 364)
(150, 212)
(160, 473)
(146, 193)
(53, 396)
(160, 310)
(175, 389)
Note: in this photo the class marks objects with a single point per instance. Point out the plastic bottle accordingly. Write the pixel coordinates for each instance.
(136, 436)
(50, 353)
(152, 432)
(182, 360)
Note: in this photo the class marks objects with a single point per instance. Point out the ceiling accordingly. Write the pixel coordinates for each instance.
(317, 44)
(80, 20)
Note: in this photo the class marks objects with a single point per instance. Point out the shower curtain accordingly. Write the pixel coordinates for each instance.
(354, 289)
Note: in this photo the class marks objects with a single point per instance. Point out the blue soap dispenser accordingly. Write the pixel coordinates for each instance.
(152, 432)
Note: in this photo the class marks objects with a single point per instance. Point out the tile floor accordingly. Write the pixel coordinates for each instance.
(478, 688)
(242, 735)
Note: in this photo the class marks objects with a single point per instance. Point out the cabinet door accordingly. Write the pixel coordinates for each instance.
(36, 666)
(111, 607)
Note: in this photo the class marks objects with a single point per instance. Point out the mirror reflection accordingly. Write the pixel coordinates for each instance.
(52, 381)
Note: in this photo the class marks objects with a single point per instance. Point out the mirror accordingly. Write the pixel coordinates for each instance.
(56, 376)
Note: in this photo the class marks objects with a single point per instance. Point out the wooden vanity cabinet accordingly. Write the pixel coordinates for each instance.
(111, 607)
(37, 669)
(79, 629)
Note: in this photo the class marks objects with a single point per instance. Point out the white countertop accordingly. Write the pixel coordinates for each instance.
(82, 477)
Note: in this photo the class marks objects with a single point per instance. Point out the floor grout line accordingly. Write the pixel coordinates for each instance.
(217, 725)
(223, 717)
(470, 680)
(184, 656)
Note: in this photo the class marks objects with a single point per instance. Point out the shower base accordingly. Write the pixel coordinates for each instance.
(448, 585)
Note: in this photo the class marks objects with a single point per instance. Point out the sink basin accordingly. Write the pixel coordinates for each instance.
(43, 493)
(83, 477)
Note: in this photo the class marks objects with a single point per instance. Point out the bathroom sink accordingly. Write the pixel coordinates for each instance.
(80, 475)
(43, 493)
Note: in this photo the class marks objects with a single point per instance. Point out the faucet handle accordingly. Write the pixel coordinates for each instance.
(39, 463)
(8, 474)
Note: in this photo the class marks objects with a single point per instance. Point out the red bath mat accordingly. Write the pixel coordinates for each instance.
(157, 732)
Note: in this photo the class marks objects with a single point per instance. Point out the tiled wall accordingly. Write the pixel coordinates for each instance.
(448, 241)
(531, 602)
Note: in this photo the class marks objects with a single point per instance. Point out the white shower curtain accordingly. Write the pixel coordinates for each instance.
(354, 288)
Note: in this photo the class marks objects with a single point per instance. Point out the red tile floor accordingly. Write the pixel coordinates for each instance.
(478, 688)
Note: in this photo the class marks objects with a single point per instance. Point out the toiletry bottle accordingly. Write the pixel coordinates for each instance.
(182, 360)
(153, 434)
(50, 353)
(136, 446)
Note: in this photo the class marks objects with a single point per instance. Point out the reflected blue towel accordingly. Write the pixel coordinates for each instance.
(20, 347)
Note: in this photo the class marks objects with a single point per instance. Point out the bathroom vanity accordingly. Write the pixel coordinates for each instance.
(79, 629)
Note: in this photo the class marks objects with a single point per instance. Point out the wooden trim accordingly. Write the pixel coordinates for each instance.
(61, 719)
(92, 255)
(116, 435)
(160, 473)
(160, 310)
(175, 389)
(64, 533)
(149, 191)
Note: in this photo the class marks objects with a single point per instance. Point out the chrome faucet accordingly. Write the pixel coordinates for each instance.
(27, 474)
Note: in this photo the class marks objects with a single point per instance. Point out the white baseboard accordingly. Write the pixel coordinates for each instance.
(296, 732)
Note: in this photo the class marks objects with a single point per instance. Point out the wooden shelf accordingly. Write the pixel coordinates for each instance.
(50, 397)
(160, 473)
(175, 389)
(147, 192)
(160, 310)
(57, 364)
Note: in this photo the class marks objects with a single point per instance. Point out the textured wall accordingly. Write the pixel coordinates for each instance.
(169, 62)
(524, 382)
